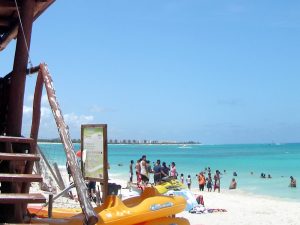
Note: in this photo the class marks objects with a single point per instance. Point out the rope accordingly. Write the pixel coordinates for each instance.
(22, 28)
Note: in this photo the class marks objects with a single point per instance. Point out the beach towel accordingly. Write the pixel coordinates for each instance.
(199, 209)
(187, 194)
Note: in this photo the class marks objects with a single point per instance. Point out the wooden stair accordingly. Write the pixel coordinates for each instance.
(20, 177)
(13, 198)
(17, 156)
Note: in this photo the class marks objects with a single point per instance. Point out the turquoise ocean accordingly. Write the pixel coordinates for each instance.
(279, 160)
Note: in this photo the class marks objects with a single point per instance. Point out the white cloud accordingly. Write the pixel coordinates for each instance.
(99, 109)
(46, 112)
(45, 100)
(47, 124)
(27, 110)
(76, 120)
(30, 98)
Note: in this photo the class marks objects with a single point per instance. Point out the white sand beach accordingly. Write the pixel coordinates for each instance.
(242, 208)
(245, 209)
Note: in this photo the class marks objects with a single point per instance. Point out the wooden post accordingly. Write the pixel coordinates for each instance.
(61, 183)
(98, 196)
(36, 111)
(16, 98)
(87, 208)
(50, 205)
(105, 160)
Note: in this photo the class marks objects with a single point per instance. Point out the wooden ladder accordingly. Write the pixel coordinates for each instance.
(17, 156)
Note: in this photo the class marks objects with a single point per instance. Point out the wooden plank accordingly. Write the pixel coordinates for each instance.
(18, 80)
(16, 198)
(19, 156)
(8, 177)
(36, 111)
(60, 183)
(90, 215)
(16, 139)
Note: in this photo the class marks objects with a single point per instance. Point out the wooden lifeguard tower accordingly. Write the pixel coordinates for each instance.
(18, 153)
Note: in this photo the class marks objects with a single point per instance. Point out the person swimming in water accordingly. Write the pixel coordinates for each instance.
(233, 184)
(293, 182)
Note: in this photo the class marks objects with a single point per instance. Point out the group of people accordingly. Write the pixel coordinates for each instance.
(263, 175)
(143, 170)
(292, 183)
(209, 181)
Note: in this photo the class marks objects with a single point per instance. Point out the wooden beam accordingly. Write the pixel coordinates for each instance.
(7, 4)
(61, 183)
(8, 177)
(16, 98)
(29, 71)
(9, 139)
(12, 33)
(81, 188)
(19, 156)
(13, 198)
(36, 111)
(5, 21)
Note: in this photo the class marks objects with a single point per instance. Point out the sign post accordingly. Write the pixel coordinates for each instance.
(94, 154)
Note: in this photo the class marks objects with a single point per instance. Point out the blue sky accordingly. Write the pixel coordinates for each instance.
(208, 71)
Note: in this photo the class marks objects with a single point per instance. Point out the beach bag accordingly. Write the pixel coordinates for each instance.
(200, 199)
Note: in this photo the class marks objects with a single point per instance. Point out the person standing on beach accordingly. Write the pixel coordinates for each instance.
(164, 170)
(173, 171)
(131, 171)
(189, 181)
(68, 171)
(217, 181)
(202, 181)
(148, 169)
(138, 171)
(209, 183)
(157, 172)
(144, 172)
(182, 178)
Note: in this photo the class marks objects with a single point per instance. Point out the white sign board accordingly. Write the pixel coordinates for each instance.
(93, 146)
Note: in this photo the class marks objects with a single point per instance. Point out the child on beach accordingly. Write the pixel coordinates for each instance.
(182, 178)
(189, 181)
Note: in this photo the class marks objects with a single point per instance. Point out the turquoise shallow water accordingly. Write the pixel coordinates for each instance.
(280, 161)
